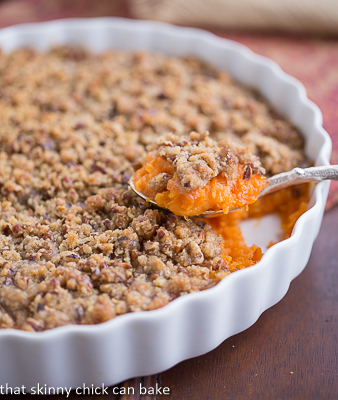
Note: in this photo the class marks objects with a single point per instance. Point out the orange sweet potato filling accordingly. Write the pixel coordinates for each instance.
(233, 247)
(217, 194)
(289, 203)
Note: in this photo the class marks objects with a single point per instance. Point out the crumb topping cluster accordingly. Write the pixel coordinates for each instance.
(197, 159)
(76, 245)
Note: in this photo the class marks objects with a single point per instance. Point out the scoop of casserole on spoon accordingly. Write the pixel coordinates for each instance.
(194, 176)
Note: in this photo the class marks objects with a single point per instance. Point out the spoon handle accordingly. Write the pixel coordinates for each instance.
(300, 175)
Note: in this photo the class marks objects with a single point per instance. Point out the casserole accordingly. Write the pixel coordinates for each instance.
(145, 343)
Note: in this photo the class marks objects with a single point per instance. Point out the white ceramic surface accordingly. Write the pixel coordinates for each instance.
(149, 342)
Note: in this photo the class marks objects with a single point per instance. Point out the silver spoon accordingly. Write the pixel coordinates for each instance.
(276, 182)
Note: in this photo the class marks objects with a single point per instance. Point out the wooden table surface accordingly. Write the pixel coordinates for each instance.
(289, 353)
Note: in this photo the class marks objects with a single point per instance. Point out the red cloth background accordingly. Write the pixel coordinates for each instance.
(314, 61)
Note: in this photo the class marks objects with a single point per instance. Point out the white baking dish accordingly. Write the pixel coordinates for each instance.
(149, 342)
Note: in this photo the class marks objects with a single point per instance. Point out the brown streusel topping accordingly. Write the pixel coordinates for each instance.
(76, 246)
(197, 159)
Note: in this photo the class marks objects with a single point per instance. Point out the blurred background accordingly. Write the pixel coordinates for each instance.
(300, 35)
(302, 16)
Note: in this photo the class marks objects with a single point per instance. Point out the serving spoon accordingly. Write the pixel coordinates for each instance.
(274, 183)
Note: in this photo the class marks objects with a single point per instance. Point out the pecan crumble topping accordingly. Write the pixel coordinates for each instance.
(197, 159)
(78, 247)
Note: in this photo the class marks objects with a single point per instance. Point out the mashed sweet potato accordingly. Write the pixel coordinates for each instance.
(289, 204)
(192, 175)
(217, 194)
